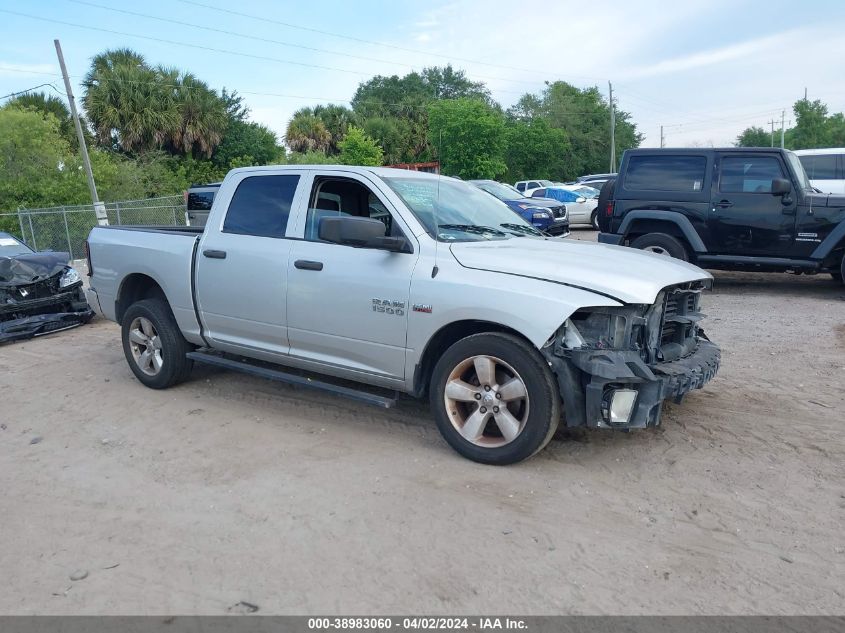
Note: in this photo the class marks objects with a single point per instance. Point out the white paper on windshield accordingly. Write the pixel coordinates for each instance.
(7, 241)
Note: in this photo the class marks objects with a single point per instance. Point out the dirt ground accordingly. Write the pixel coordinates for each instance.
(231, 489)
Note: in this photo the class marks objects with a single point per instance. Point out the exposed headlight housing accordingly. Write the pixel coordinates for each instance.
(69, 278)
(541, 215)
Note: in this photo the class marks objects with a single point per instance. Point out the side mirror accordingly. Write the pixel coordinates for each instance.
(781, 187)
(581, 200)
(360, 232)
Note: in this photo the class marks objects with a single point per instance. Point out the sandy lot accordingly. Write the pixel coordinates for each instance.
(230, 488)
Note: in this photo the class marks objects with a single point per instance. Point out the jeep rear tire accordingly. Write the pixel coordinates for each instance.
(494, 398)
(661, 244)
(153, 344)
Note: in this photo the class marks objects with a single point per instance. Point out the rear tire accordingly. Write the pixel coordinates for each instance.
(153, 344)
(510, 421)
(662, 244)
(840, 276)
(594, 220)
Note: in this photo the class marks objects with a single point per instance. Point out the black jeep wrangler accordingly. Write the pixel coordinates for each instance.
(731, 209)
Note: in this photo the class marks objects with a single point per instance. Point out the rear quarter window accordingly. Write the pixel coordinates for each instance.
(666, 173)
(821, 166)
(200, 201)
(261, 206)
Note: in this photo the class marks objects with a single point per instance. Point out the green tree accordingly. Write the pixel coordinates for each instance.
(471, 134)
(811, 125)
(35, 160)
(247, 143)
(405, 100)
(49, 104)
(359, 149)
(337, 119)
(307, 133)
(585, 116)
(754, 137)
(135, 108)
(536, 150)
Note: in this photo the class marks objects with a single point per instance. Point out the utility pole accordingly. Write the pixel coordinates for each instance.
(772, 123)
(612, 130)
(782, 120)
(662, 138)
(99, 207)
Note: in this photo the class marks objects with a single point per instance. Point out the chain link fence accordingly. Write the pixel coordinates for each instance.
(66, 228)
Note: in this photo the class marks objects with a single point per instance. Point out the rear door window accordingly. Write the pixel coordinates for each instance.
(261, 206)
(200, 200)
(666, 173)
(749, 174)
(821, 166)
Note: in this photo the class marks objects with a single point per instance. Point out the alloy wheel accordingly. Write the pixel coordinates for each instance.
(486, 401)
(145, 344)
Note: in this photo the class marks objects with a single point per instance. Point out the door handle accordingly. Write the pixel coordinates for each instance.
(724, 204)
(214, 254)
(304, 264)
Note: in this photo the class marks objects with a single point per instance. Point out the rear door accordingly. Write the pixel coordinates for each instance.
(745, 218)
(241, 276)
(348, 307)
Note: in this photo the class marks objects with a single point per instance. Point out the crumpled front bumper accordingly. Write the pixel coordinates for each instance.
(44, 316)
(602, 370)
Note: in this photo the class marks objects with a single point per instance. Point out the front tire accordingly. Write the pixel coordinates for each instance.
(153, 344)
(661, 244)
(594, 221)
(494, 398)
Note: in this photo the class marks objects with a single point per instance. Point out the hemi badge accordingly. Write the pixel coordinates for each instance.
(422, 307)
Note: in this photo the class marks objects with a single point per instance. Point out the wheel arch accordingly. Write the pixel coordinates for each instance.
(641, 222)
(447, 336)
(134, 288)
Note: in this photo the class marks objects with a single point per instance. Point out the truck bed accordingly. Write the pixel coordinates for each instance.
(165, 254)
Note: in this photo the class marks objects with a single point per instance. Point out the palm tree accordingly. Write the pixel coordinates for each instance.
(203, 117)
(307, 132)
(337, 119)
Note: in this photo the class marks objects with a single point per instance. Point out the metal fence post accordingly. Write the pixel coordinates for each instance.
(32, 232)
(173, 209)
(67, 233)
(117, 210)
(20, 221)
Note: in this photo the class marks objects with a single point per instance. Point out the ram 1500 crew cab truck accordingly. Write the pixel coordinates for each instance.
(415, 283)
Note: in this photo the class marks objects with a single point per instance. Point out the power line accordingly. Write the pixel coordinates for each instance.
(206, 48)
(253, 37)
(374, 42)
(15, 94)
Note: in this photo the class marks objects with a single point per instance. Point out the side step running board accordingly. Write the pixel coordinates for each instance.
(293, 379)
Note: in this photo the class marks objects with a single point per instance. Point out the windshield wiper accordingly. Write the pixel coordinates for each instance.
(471, 228)
(522, 230)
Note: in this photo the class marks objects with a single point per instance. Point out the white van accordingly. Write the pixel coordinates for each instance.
(825, 168)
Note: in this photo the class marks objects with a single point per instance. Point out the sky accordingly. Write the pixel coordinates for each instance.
(704, 70)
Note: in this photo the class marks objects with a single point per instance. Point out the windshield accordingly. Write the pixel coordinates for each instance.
(459, 211)
(502, 192)
(798, 168)
(546, 183)
(9, 247)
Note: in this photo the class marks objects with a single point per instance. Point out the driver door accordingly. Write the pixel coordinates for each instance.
(745, 218)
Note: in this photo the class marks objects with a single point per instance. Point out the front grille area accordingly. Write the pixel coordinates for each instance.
(679, 325)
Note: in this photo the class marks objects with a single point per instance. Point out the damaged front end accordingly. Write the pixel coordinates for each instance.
(39, 294)
(616, 366)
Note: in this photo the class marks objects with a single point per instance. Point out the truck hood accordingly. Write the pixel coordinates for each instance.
(827, 199)
(625, 274)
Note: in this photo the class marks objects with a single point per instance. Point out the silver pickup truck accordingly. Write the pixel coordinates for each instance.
(408, 282)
